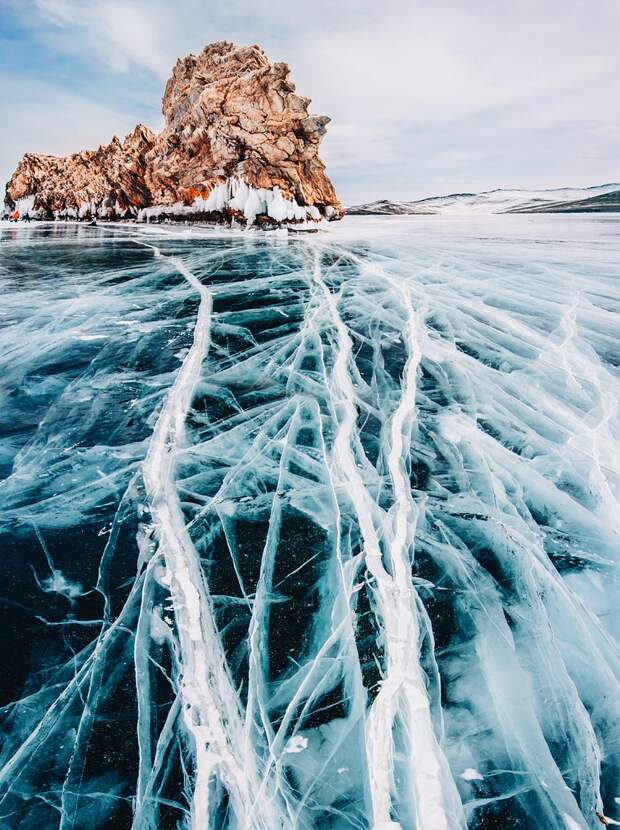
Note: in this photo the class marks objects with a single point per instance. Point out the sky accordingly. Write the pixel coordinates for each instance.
(426, 97)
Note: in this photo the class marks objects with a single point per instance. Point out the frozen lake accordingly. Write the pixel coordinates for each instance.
(311, 531)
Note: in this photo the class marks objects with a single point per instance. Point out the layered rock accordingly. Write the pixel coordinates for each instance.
(109, 181)
(238, 143)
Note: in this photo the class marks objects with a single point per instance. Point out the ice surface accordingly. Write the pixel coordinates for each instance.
(311, 532)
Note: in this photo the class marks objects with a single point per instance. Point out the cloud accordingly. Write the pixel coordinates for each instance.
(421, 92)
(122, 36)
(46, 119)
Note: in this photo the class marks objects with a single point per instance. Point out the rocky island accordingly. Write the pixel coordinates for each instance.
(238, 145)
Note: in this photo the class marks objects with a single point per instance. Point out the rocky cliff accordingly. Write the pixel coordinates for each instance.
(238, 143)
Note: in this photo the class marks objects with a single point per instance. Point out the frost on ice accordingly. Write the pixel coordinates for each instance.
(327, 537)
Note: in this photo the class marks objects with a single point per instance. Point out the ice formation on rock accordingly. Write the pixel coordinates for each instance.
(242, 200)
(237, 144)
(310, 533)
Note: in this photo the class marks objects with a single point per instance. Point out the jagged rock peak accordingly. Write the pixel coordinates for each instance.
(238, 142)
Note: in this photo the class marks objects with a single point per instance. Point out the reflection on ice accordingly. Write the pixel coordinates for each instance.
(319, 532)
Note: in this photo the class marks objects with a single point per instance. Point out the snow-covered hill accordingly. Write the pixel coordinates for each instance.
(604, 197)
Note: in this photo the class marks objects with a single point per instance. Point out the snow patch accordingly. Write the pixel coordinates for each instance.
(471, 774)
(296, 744)
(570, 822)
(455, 427)
(58, 583)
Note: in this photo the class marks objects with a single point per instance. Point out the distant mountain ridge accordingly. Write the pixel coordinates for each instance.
(600, 198)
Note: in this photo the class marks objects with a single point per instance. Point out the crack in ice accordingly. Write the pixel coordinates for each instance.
(324, 535)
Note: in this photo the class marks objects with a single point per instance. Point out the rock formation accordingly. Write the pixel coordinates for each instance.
(238, 143)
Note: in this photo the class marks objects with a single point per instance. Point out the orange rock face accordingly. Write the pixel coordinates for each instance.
(232, 120)
(110, 179)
